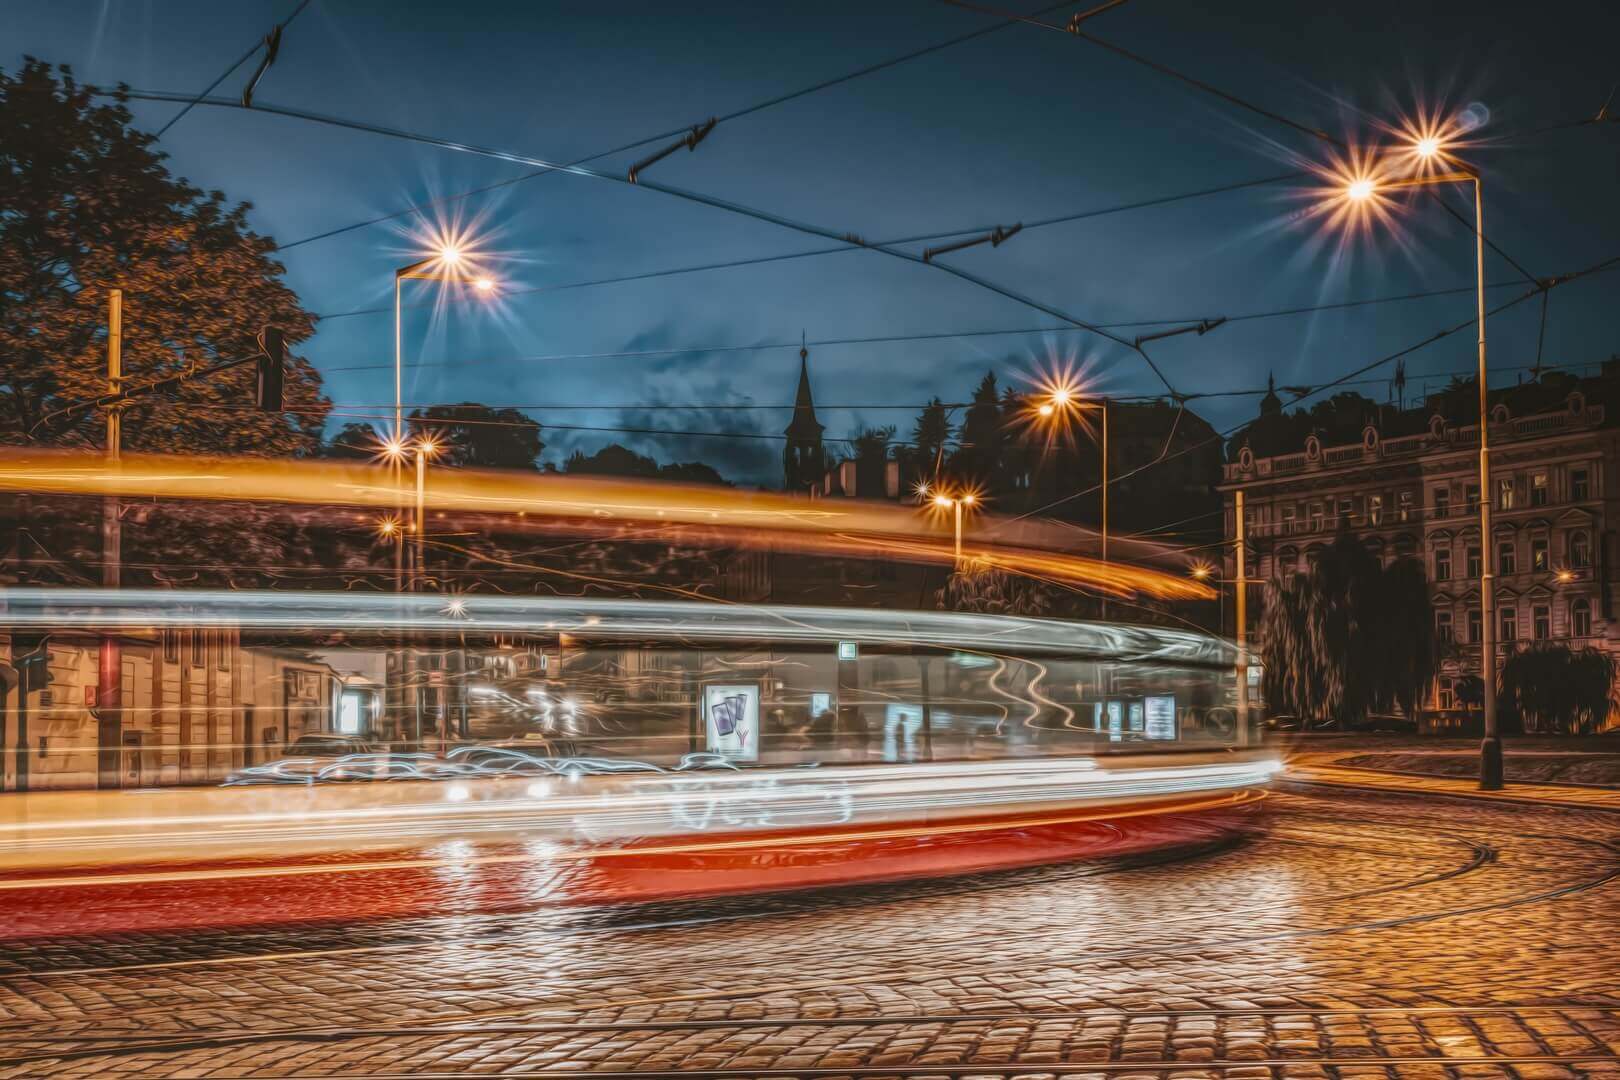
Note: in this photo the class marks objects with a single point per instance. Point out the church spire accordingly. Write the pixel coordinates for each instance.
(803, 460)
(1271, 404)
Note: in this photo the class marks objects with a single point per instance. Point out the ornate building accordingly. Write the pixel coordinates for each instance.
(804, 461)
(1409, 485)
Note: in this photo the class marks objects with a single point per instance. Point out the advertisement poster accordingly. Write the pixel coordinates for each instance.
(1136, 716)
(1116, 720)
(1161, 717)
(731, 720)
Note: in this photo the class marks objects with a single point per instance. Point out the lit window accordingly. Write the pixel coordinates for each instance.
(1403, 506)
(1375, 509)
(1541, 622)
(1538, 489)
(1504, 493)
(1538, 553)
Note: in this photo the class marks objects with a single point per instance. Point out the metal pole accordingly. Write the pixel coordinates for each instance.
(1490, 748)
(398, 436)
(1241, 548)
(1105, 481)
(958, 505)
(421, 522)
(110, 663)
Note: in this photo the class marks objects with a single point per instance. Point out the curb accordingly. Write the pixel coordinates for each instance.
(1493, 797)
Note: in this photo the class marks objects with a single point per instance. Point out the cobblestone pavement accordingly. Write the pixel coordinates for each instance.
(1363, 935)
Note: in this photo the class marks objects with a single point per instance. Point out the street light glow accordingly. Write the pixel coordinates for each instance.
(1427, 147)
(1360, 189)
(484, 284)
(942, 501)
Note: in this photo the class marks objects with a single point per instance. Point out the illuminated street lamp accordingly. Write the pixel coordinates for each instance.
(955, 503)
(1056, 402)
(397, 451)
(1363, 188)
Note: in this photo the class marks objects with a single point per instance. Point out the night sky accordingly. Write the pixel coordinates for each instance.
(1019, 125)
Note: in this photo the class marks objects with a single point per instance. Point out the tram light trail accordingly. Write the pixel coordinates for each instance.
(752, 519)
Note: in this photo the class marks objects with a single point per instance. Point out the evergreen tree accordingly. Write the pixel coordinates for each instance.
(929, 436)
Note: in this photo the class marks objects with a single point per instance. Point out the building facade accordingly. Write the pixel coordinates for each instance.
(1409, 486)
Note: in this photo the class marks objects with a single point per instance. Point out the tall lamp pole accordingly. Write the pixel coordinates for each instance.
(1490, 749)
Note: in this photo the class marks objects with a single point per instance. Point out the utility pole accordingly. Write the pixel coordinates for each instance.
(1242, 606)
(109, 690)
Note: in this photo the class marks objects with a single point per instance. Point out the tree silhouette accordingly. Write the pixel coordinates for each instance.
(1552, 688)
(87, 206)
(477, 436)
(929, 436)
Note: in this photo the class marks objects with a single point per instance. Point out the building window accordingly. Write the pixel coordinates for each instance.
(1504, 493)
(1375, 509)
(1507, 624)
(1289, 512)
(1476, 626)
(171, 646)
(1507, 561)
(1471, 495)
(1346, 505)
(222, 646)
(1541, 622)
(1442, 502)
(1538, 553)
(1580, 619)
(1580, 485)
(1538, 489)
(1442, 564)
(1471, 565)
(1316, 517)
(1445, 697)
(199, 647)
(1580, 549)
(1442, 627)
(1403, 506)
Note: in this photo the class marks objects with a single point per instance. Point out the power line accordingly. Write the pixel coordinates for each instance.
(736, 114)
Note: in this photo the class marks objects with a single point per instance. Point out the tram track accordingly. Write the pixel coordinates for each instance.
(96, 1046)
(468, 1024)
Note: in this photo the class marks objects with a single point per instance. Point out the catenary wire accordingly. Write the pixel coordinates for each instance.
(177, 117)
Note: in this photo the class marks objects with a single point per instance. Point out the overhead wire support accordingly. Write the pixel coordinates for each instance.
(246, 95)
(698, 133)
(995, 238)
(1200, 328)
(272, 47)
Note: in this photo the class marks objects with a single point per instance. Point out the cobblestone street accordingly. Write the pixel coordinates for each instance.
(1364, 935)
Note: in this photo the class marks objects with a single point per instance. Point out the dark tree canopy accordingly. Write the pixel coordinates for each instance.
(1552, 688)
(616, 460)
(355, 442)
(477, 436)
(87, 206)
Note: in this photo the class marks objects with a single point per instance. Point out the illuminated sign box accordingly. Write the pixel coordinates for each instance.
(731, 720)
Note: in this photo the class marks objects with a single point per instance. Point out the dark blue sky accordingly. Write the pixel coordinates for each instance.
(1019, 125)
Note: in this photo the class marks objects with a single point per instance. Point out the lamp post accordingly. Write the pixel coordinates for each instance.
(1429, 148)
(1057, 403)
(955, 503)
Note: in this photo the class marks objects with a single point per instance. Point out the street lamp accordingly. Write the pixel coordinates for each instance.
(1056, 402)
(396, 450)
(1429, 149)
(955, 503)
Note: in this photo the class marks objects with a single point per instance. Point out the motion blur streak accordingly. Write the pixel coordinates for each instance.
(587, 617)
(82, 829)
(755, 519)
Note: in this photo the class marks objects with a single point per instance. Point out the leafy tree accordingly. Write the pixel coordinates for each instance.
(86, 206)
(611, 460)
(478, 436)
(1350, 637)
(988, 591)
(1557, 689)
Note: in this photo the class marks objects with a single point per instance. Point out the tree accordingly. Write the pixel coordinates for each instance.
(354, 442)
(611, 460)
(477, 436)
(988, 591)
(87, 206)
(1350, 637)
(978, 457)
(1554, 688)
(929, 436)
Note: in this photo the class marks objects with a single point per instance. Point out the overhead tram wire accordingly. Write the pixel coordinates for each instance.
(941, 335)
(732, 264)
(1073, 30)
(735, 114)
(698, 198)
(177, 117)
